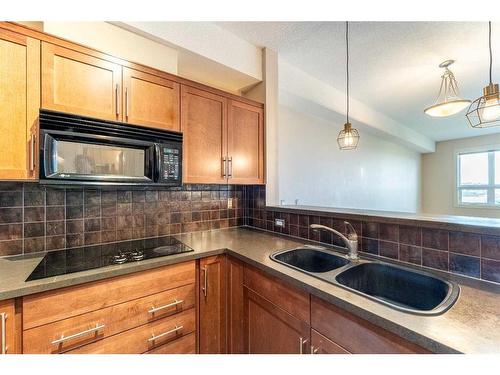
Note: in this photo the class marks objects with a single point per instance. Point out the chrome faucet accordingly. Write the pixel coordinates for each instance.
(351, 241)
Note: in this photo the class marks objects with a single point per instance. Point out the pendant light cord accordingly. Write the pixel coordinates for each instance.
(491, 56)
(347, 65)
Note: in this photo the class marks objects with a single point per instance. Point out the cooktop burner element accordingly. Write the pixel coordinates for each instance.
(78, 259)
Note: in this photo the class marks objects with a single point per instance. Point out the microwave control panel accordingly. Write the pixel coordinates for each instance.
(170, 159)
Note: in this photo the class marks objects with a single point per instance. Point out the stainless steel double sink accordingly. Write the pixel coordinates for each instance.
(402, 288)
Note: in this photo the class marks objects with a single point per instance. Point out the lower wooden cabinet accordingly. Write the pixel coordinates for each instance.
(235, 296)
(271, 330)
(10, 328)
(322, 345)
(144, 338)
(133, 314)
(212, 308)
(354, 334)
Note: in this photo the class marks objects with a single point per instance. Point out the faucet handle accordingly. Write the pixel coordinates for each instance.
(351, 232)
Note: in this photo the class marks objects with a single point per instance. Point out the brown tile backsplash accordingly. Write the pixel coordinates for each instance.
(34, 218)
(464, 253)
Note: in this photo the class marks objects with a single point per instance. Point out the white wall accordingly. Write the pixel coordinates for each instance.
(438, 177)
(379, 175)
(117, 42)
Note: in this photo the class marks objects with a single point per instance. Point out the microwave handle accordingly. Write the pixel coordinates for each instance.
(157, 163)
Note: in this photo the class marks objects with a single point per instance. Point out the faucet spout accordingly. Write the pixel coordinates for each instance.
(350, 241)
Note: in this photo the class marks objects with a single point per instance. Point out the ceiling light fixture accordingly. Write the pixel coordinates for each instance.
(448, 101)
(484, 112)
(348, 137)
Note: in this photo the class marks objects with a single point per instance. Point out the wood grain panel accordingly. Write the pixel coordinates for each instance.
(354, 334)
(115, 319)
(321, 345)
(292, 300)
(183, 345)
(235, 313)
(63, 303)
(212, 328)
(204, 125)
(19, 95)
(78, 83)
(271, 330)
(136, 340)
(246, 143)
(151, 100)
(12, 328)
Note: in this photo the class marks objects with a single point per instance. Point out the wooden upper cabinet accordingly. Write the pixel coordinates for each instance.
(77, 83)
(204, 125)
(20, 101)
(150, 100)
(245, 143)
(212, 329)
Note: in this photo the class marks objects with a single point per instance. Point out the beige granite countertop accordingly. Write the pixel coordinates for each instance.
(472, 325)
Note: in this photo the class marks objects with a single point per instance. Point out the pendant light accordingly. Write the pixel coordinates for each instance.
(484, 112)
(348, 137)
(448, 101)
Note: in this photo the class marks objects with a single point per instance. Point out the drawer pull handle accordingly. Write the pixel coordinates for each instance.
(205, 281)
(175, 330)
(175, 303)
(3, 316)
(79, 334)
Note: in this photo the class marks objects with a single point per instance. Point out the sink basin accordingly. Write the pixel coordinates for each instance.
(400, 288)
(310, 259)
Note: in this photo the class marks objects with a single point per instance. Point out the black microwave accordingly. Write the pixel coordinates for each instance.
(77, 150)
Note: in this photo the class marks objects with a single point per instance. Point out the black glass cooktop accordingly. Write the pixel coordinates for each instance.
(77, 259)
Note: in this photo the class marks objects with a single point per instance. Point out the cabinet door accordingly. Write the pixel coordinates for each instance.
(204, 125)
(271, 330)
(10, 329)
(235, 315)
(245, 143)
(212, 307)
(77, 83)
(321, 345)
(151, 100)
(20, 101)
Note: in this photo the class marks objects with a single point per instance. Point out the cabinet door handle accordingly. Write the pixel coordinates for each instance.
(205, 283)
(302, 342)
(176, 329)
(3, 317)
(126, 102)
(32, 152)
(175, 303)
(79, 334)
(224, 167)
(117, 109)
(230, 167)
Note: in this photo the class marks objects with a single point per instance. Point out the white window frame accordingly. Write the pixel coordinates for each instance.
(490, 187)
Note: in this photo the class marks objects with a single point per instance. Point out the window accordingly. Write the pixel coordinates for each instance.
(478, 178)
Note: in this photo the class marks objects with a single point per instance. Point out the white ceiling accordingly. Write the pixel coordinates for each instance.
(394, 65)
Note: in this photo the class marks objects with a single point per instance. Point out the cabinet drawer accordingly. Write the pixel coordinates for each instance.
(114, 319)
(47, 307)
(283, 295)
(184, 345)
(138, 340)
(355, 334)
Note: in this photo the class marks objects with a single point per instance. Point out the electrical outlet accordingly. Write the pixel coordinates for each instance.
(229, 203)
(279, 223)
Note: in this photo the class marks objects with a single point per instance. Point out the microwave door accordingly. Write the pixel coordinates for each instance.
(83, 157)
